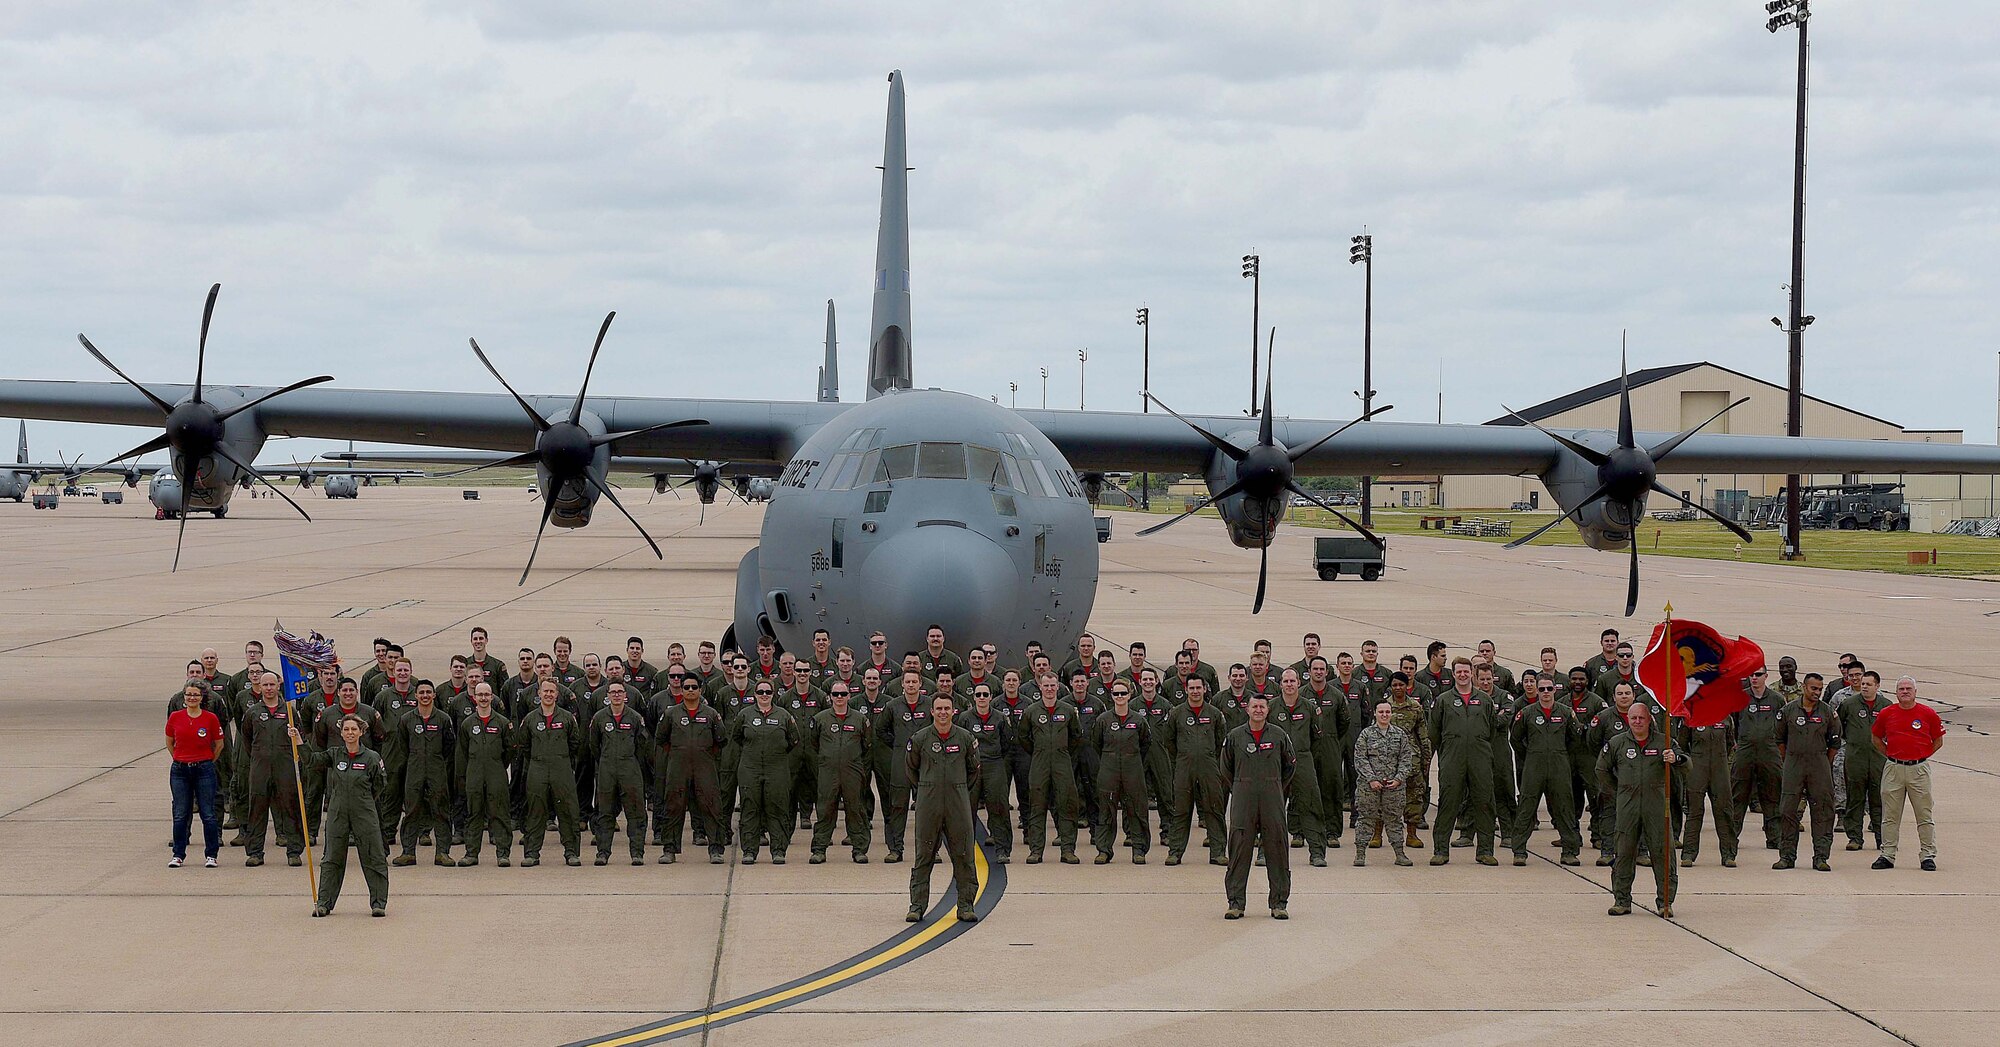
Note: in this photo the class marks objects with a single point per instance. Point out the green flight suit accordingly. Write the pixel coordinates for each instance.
(551, 743)
(274, 794)
(1462, 729)
(941, 769)
(995, 734)
(894, 727)
(1864, 766)
(764, 744)
(1192, 741)
(1808, 738)
(1552, 743)
(352, 780)
(1337, 731)
(805, 759)
(692, 740)
(425, 747)
(1706, 777)
(1159, 771)
(1635, 773)
(1755, 773)
(1122, 744)
(1261, 768)
(324, 733)
(843, 752)
(1305, 815)
(1051, 734)
(480, 766)
(618, 743)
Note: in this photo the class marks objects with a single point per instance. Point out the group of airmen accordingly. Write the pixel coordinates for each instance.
(752, 748)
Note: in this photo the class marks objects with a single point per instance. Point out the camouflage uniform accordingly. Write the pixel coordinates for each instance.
(1417, 787)
(1382, 755)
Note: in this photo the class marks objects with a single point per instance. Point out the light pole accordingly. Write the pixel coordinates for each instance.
(1785, 13)
(1363, 253)
(1252, 273)
(1145, 321)
(1081, 356)
(1045, 388)
(1013, 394)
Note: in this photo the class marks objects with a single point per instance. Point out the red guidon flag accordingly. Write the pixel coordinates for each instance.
(1696, 673)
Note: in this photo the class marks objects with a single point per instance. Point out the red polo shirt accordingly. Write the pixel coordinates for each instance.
(1909, 734)
(193, 737)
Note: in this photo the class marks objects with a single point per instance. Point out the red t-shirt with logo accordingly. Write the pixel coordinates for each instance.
(193, 737)
(1909, 734)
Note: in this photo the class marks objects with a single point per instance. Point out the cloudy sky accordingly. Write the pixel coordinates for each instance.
(373, 182)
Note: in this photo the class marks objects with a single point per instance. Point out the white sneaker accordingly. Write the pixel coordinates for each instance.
(210, 863)
(173, 863)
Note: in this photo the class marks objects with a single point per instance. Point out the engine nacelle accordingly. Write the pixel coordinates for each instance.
(1606, 524)
(1250, 525)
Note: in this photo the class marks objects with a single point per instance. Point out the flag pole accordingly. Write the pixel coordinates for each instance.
(298, 787)
(1671, 856)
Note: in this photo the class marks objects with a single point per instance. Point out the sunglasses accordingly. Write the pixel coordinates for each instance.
(1548, 688)
(878, 643)
(763, 690)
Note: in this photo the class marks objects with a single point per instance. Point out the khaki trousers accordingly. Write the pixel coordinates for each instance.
(1914, 782)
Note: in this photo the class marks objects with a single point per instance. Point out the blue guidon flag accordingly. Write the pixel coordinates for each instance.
(1696, 673)
(300, 659)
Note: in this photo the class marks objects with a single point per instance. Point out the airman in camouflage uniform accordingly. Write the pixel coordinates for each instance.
(1384, 758)
(1407, 713)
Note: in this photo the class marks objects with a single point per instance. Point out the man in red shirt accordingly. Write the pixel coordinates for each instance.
(195, 736)
(1909, 733)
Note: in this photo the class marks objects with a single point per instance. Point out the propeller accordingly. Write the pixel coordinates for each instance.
(564, 449)
(1626, 475)
(305, 474)
(1265, 475)
(194, 427)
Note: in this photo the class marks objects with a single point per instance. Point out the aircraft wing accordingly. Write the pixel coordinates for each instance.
(638, 465)
(738, 431)
(1114, 442)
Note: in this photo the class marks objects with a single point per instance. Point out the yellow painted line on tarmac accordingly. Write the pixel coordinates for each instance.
(890, 953)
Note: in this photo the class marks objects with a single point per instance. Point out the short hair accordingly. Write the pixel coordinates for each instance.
(817, 633)
(1613, 633)
(1856, 664)
(1399, 675)
(459, 659)
(1310, 636)
(705, 645)
(1812, 676)
(1460, 660)
(1233, 666)
(933, 625)
(610, 658)
(1901, 680)
(564, 641)
(1371, 643)
(479, 630)
(1622, 648)
(194, 663)
(1639, 707)
(421, 684)
(355, 720)
(380, 641)
(1136, 645)
(396, 649)
(1436, 647)
(1548, 650)
(258, 644)
(630, 640)
(1872, 675)
(529, 651)
(404, 661)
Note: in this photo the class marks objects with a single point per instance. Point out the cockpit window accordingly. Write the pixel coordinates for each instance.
(850, 464)
(984, 465)
(941, 461)
(1042, 474)
(897, 463)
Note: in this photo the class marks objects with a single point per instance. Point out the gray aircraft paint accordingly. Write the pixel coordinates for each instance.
(889, 364)
(829, 372)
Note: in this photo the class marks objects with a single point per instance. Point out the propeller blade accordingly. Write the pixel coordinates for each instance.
(609, 438)
(520, 459)
(1570, 514)
(674, 489)
(703, 517)
(1315, 445)
(576, 412)
(180, 535)
(148, 447)
(1263, 552)
(1234, 452)
(548, 510)
(165, 407)
(541, 424)
(620, 506)
(240, 408)
(260, 478)
(1234, 488)
(201, 349)
(1373, 539)
(1735, 527)
(1624, 413)
(1667, 446)
(1632, 580)
(1264, 423)
(1583, 451)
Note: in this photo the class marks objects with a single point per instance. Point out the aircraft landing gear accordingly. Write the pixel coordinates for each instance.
(221, 512)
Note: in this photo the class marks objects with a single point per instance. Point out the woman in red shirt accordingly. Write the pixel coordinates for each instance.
(195, 737)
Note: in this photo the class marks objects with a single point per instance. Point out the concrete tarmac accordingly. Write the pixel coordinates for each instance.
(101, 942)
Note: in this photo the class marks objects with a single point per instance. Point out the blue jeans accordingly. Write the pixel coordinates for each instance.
(195, 785)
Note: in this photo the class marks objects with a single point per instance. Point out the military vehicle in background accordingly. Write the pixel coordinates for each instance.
(1854, 507)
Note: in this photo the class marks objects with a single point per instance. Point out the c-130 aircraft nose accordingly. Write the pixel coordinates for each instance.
(940, 574)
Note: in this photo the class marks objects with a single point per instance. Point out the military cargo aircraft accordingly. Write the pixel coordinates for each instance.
(925, 506)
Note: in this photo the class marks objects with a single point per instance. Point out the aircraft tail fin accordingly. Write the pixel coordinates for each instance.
(21, 456)
(889, 325)
(829, 373)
